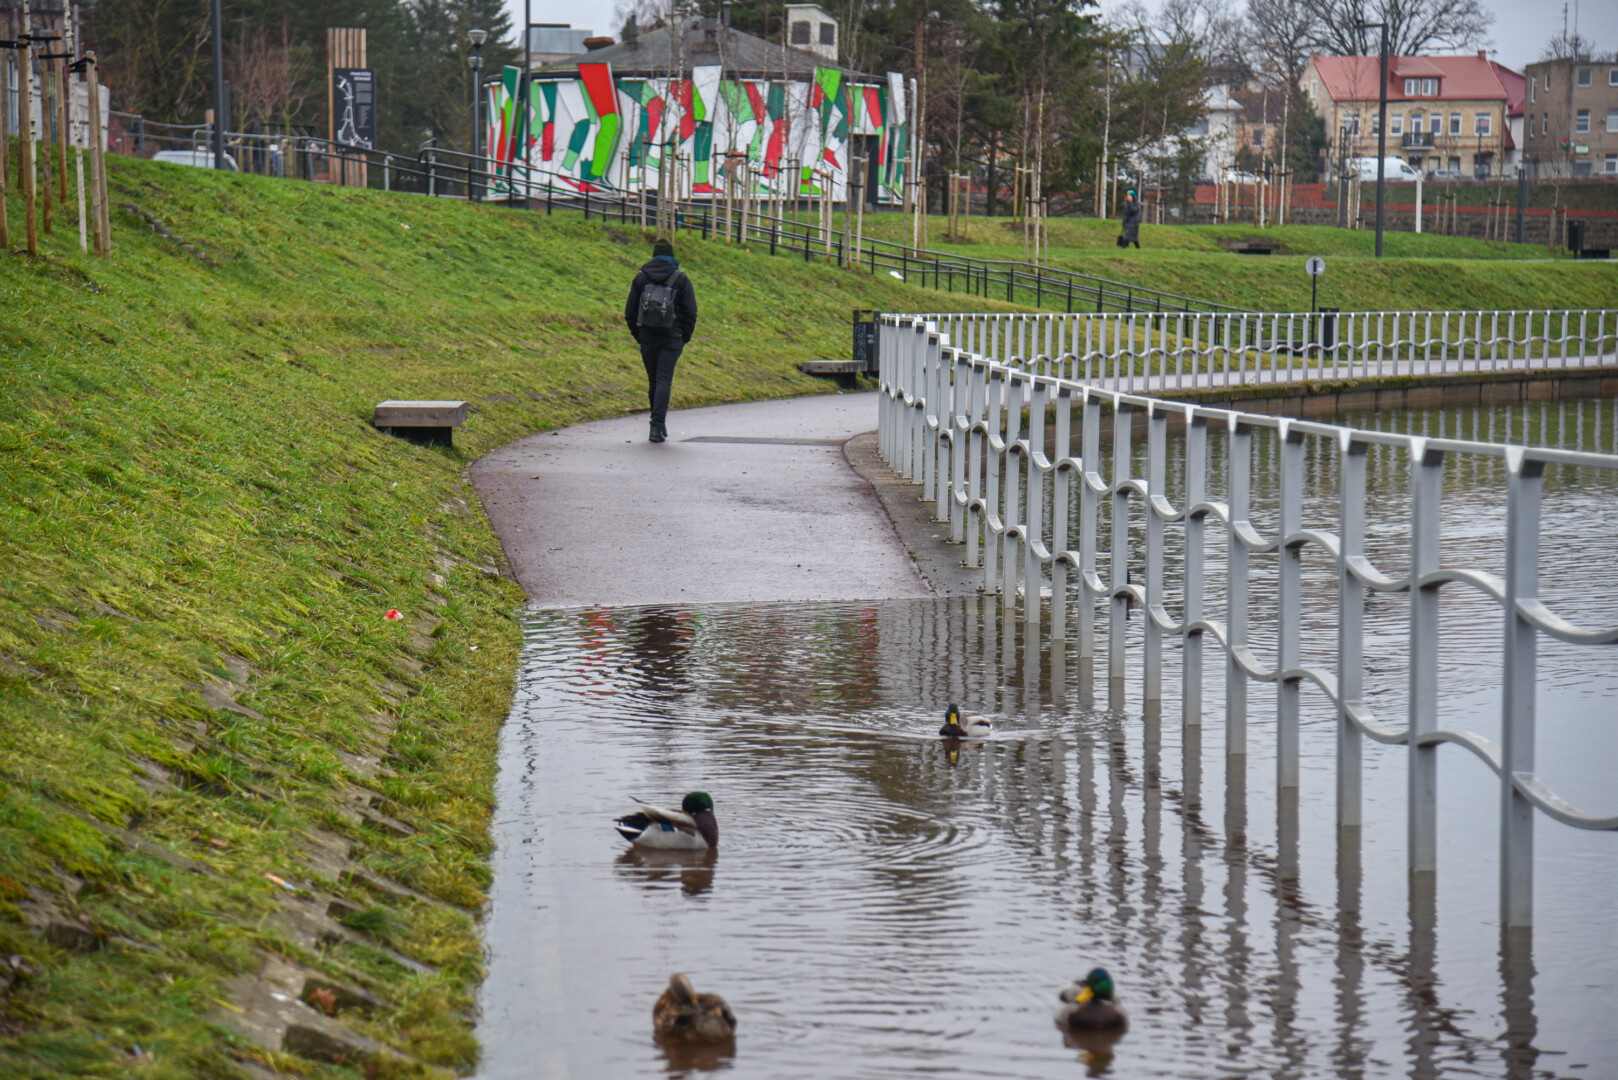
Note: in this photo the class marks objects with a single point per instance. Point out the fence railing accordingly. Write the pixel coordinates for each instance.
(1158, 352)
(442, 172)
(951, 420)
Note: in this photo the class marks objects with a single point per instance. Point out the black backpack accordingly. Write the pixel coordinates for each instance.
(659, 305)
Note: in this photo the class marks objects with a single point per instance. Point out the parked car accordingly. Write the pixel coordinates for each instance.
(202, 159)
(1394, 170)
(1239, 176)
(1447, 174)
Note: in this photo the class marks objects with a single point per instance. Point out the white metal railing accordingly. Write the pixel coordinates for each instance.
(1158, 351)
(951, 420)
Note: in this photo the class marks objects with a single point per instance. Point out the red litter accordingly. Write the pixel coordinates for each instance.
(393, 615)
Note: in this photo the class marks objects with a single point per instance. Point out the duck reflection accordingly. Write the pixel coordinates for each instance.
(1095, 1049)
(657, 869)
(684, 1058)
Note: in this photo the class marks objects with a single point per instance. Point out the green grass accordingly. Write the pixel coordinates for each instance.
(191, 495)
(1416, 272)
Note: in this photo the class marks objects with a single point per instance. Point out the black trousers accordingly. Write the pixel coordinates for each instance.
(659, 352)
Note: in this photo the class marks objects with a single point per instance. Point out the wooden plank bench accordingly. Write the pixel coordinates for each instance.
(430, 423)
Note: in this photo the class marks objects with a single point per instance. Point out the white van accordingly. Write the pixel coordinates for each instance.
(1395, 170)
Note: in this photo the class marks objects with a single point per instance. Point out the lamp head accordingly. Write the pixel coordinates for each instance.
(477, 37)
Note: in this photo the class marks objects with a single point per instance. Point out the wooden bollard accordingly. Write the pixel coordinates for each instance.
(98, 162)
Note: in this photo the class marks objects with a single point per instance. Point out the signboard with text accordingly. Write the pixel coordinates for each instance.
(353, 93)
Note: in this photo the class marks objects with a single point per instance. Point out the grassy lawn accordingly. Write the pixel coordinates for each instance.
(203, 533)
(1416, 272)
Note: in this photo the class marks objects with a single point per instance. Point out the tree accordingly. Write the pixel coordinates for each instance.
(1414, 26)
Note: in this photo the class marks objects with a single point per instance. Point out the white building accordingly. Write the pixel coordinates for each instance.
(813, 30)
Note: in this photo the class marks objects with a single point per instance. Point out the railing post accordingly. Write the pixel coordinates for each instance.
(1351, 458)
(1238, 471)
(992, 462)
(1155, 505)
(979, 410)
(1290, 596)
(1196, 491)
(1010, 510)
(1090, 461)
(1426, 491)
(1118, 609)
(960, 418)
(1034, 504)
(1524, 480)
(1062, 483)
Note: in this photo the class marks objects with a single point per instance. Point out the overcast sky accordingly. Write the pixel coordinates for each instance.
(1521, 27)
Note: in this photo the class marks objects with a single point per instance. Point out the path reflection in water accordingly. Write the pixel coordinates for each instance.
(885, 904)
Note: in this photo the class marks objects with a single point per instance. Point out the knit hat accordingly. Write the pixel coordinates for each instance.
(1132, 192)
(663, 247)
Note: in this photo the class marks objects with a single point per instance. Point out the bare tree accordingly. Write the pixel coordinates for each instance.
(1280, 34)
(269, 74)
(1414, 26)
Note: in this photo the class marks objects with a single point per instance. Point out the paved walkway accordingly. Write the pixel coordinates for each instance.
(751, 502)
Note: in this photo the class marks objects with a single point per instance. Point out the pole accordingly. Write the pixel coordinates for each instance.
(5, 137)
(1381, 140)
(216, 32)
(1418, 202)
(25, 128)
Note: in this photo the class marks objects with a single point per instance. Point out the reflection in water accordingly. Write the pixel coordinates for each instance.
(897, 902)
(654, 869)
(685, 1058)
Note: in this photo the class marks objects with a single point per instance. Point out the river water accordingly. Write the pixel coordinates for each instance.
(880, 906)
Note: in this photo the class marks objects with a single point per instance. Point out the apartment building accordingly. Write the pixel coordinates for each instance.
(1447, 113)
(1571, 117)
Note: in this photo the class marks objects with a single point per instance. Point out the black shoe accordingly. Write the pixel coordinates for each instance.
(658, 434)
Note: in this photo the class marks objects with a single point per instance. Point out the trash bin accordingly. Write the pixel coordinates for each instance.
(864, 351)
(1575, 235)
(1328, 329)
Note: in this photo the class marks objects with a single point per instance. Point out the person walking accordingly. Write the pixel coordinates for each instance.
(1131, 233)
(662, 315)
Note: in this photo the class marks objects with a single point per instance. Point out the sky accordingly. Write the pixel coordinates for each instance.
(1520, 30)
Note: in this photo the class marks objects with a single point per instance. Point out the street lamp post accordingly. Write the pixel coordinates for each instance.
(216, 31)
(1381, 130)
(475, 61)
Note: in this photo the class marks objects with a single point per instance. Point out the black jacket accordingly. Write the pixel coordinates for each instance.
(658, 272)
(1132, 211)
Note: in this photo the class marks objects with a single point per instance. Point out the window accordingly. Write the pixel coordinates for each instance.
(1581, 121)
(1480, 124)
(1412, 87)
(1544, 123)
(1415, 123)
(828, 33)
(1584, 76)
(1258, 136)
(1454, 123)
(1396, 125)
(1612, 119)
(1429, 87)
(1376, 124)
(1612, 164)
(1533, 91)
(800, 33)
(1455, 165)
(1612, 76)
(1547, 78)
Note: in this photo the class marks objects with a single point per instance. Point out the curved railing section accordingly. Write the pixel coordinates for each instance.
(952, 420)
(1155, 352)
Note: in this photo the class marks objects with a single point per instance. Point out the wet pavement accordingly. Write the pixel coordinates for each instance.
(744, 502)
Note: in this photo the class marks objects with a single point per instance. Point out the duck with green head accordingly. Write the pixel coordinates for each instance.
(691, 828)
(957, 727)
(1087, 1006)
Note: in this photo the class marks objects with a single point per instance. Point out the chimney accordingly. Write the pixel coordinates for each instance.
(1483, 54)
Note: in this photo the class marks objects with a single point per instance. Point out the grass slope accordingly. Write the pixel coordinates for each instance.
(202, 534)
(1417, 272)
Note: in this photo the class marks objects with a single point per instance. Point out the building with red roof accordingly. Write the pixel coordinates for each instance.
(1448, 113)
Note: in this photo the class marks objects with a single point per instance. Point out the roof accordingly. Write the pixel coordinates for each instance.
(697, 42)
(1356, 78)
(1516, 87)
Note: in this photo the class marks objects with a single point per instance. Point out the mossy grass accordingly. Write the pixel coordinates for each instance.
(203, 533)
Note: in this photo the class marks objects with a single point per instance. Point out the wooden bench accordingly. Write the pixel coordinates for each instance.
(430, 423)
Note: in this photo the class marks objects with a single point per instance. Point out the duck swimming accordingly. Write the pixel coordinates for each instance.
(1087, 1006)
(684, 1015)
(954, 728)
(691, 828)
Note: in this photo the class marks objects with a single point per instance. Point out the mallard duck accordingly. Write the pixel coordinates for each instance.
(955, 728)
(691, 828)
(684, 1015)
(1087, 1006)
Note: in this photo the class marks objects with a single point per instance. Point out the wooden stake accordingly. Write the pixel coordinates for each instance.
(5, 140)
(47, 108)
(98, 164)
(25, 121)
(61, 123)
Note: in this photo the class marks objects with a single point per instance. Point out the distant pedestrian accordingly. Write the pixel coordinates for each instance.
(1131, 233)
(662, 316)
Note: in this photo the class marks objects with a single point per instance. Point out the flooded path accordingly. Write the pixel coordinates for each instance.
(881, 906)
